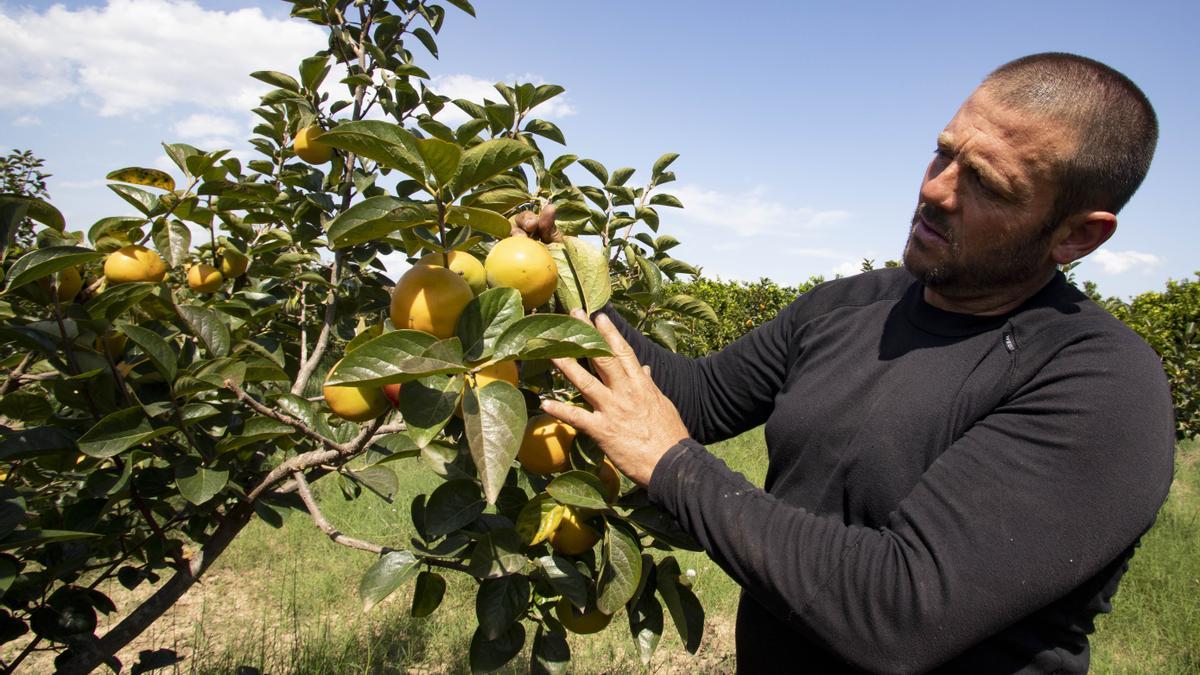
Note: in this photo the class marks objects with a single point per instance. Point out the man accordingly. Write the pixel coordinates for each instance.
(962, 453)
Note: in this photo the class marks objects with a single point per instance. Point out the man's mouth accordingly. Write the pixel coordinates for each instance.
(926, 232)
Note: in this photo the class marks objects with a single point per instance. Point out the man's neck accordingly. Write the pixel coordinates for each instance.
(990, 302)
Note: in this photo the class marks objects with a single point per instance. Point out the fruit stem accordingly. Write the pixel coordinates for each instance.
(441, 207)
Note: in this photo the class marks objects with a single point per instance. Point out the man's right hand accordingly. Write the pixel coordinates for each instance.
(539, 226)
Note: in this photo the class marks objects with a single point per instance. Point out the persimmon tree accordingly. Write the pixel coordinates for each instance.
(149, 415)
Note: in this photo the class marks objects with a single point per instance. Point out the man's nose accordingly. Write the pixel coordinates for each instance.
(941, 186)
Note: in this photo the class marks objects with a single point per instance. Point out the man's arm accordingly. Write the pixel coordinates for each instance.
(1029, 503)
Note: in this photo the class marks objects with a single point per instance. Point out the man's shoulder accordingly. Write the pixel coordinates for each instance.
(1066, 320)
(867, 288)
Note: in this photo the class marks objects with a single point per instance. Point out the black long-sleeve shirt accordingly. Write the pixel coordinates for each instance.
(944, 491)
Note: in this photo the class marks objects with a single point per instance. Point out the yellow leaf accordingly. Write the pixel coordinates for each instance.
(141, 176)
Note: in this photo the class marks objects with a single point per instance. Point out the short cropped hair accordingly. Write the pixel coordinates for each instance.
(1116, 126)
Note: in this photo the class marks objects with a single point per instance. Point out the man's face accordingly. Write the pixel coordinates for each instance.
(981, 223)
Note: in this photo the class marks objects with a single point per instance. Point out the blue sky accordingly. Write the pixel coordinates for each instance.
(803, 127)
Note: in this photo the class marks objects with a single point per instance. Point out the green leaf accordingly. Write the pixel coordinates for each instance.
(494, 419)
(26, 406)
(427, 404)
(197, 483)
(378, 479)
(551, 655)
(375, 218)
(579, 488)
(692, 308)
(538, 519)
(488, 159)
(651, 276)
(663, 527)
(116, 300)
(398, 356)
(313, 71)
(497, 553)
(207, 325)
(390, 145)
(23, 538)
(664, 199)
(561, 163)
(622, 568)
(481, 220)
(596, 169)
(500, 602)
(426, 39)
(544, 93)
(387, 574)
(34, 443)
(118, 432)
(686, 611)
(620, 176)
(140, 176)
(663, 162)
(179, 153)
(140, 199)
(452, 506)
(546, 336)
(17, 207)
(485, 319)
(646, 624)
(442, 158)
(463, 5)
(12, 516)
(159, 351)
(172, 239)
(490, 655)
(428, 594)
(469, 130)
(546, 130)
(43, 262)
(566, 579)
(255, 430)
(583, 281)
(277, 79)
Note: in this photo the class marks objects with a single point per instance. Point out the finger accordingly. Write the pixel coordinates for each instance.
(623, 354)
(593, 390)
(583, 420)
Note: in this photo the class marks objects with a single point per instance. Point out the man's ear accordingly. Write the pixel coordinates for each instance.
(1081, 234)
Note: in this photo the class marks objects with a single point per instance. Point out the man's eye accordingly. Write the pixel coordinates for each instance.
(987, 189)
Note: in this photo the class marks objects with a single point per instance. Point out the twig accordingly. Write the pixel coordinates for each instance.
(16, 374)
(280, 417)
(298, 463)
(324, 525)
(318, 351)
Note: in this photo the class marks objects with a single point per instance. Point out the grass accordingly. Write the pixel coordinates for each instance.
(286, 600)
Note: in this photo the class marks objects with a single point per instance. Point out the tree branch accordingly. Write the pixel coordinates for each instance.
(280, 417)
(324, 525)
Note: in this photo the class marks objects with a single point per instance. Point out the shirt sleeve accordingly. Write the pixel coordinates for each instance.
(726, 393)
(1029, 503)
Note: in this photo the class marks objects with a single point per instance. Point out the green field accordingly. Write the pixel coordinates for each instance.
(286, 600)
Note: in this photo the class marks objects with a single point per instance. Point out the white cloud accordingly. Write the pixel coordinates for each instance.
(132, 57)
(1119, 262)
(27, 121)
(848, 268)
(203, 125)
(751, 213)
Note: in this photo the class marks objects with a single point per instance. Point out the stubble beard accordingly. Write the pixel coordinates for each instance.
(955, 274)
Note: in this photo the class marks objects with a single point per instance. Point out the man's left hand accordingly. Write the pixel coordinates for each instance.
(631, 420)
